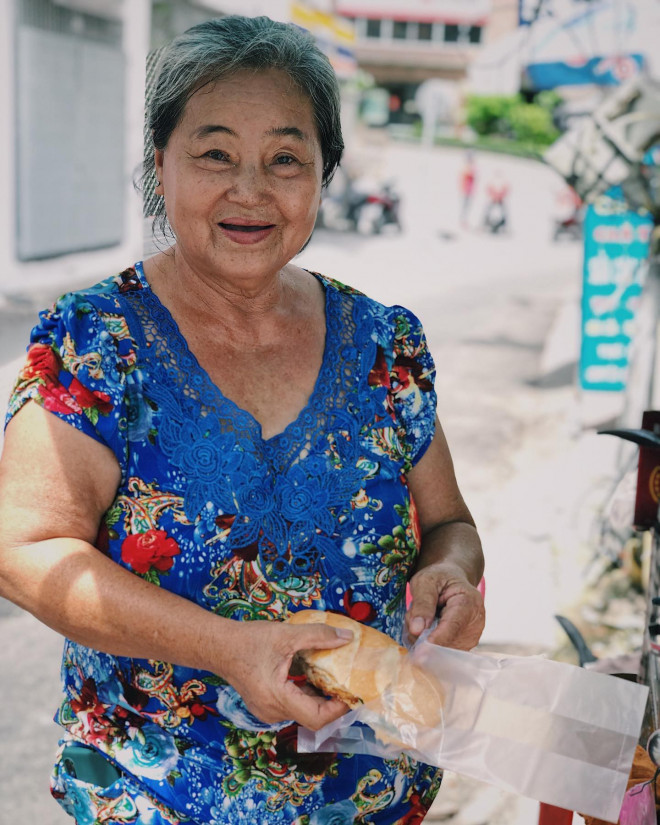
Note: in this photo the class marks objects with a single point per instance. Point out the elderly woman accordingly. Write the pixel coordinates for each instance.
(213, 440)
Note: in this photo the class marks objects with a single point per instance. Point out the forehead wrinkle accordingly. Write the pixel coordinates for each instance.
(212, 128)
(277, 131)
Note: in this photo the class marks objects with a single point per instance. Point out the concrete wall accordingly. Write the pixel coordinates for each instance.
(79, 268)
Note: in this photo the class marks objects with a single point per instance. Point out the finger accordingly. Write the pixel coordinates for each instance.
(325, 712)
(314, 712)
(461, 623)
(447, 632)
(423, 607)
(318, 637)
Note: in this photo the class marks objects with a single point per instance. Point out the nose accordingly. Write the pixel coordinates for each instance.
(249, 185)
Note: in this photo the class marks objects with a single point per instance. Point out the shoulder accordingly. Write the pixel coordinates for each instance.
(93, 318)
(386, 323)
(107, 292)
(106, 296)
(370, 304)
(337, 286)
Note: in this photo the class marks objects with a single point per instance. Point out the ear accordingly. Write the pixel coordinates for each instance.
(159, 156)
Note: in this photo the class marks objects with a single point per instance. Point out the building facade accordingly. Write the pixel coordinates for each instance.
(404, 43)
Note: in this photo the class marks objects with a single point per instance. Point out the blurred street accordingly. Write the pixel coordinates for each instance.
(501, 316)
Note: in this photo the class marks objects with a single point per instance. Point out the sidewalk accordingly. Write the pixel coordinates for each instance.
(548, 509)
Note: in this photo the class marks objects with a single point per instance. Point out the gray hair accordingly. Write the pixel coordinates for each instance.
(221, 47)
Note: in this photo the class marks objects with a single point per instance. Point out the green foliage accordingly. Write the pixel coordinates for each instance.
(489, 114)
(531, 123)
(548, 99)
(510, 117)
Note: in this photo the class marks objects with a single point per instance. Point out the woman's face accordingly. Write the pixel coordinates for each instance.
(241, 176)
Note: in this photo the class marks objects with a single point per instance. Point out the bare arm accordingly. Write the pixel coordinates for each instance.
(451, 562)
(55, 485)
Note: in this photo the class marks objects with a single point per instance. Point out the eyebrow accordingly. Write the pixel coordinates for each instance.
(287, 131)
(211, 129)
(280, 131)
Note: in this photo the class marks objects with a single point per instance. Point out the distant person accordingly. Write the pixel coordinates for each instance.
(467, 183)
(496, 214)
(213, 439)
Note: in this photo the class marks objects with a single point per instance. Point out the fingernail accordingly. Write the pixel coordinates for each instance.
(344, 633)
(417, 625)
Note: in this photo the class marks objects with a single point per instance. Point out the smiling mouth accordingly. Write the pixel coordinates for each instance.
(234, 227)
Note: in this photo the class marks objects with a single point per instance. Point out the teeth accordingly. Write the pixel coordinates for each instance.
(242, 228)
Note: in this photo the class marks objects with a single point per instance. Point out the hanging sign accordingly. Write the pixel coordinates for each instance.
(616, 248)
(334, 36)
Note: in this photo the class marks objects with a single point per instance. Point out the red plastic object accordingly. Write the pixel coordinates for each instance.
(549, 815)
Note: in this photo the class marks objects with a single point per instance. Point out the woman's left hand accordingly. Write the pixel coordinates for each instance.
(442, 589)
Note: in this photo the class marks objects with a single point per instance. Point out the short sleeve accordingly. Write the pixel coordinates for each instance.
(74, 370)
(412, 379)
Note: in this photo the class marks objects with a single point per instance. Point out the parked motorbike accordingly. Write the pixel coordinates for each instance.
(379, 210)
(358, 205)
(569, 227)
(569, 215)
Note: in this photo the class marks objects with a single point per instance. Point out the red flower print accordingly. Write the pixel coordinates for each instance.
(42, 362)
(57, 399)
(379, 376)
(100, 731)
(151, 549)
(195, 709)
(359, 611)
(225, 521)
(87, 398)
(407, 371)
(89, 701)
(129, 280)
(416, 813)
(248, 553)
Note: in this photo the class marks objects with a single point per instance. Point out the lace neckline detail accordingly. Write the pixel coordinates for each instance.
(321, 385)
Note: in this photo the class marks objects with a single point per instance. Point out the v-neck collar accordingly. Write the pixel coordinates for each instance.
(320, 385)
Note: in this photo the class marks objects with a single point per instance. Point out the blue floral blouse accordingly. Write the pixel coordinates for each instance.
(319, 516)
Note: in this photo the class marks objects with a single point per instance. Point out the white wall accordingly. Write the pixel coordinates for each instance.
(7, 150)
(81, 268)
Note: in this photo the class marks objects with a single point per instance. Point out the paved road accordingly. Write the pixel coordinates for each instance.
(488, 305)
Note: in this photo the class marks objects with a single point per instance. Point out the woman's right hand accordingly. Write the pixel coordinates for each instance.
(262, 653)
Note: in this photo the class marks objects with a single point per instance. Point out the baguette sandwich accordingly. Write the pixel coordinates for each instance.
(371, 668)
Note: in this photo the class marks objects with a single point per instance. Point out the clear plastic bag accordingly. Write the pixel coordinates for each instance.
(542, 729)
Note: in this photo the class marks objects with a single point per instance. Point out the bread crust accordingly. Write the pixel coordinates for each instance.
(372, 668)
(356, 672)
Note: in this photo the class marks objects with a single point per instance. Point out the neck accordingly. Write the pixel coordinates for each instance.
(185, 289)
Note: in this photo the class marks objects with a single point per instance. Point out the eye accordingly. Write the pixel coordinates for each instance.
(216, 154)
(285, 160)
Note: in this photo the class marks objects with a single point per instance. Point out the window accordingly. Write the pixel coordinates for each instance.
(474, 34)
(400, 30)
(373, 28)
(425, 31)
(451, 33)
